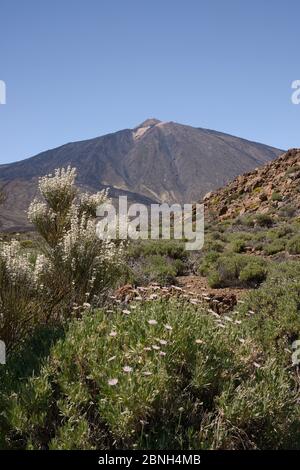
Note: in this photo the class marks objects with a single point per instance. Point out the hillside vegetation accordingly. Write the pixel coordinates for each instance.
(113, 346)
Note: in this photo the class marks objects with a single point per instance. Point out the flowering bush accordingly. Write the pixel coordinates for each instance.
(79, 267)
(73, 269)
(164, 376)
(19, 298)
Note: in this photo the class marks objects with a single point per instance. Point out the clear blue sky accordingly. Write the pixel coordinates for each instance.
(78, 69)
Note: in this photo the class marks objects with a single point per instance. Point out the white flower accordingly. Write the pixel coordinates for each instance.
(41, 265)
(127, 369)
(152, 322)
(112, 382)
(59, 185)
(17, 265)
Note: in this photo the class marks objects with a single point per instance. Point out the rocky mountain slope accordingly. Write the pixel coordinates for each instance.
(157, 161)
(271, 189)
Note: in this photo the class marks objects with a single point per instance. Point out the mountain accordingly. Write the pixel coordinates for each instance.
(271, 189)
(154, 162)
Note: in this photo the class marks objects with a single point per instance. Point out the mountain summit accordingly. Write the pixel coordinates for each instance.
(154, 162)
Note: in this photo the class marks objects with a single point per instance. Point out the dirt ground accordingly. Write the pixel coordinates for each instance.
(199, 286)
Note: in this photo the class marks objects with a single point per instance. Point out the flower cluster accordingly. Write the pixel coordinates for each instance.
(61, 182)
(17, 265)
(59, 190)
(42, 265)
(38, 211)
(90, 202)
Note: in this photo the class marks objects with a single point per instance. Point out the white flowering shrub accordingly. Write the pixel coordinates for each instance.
(79, 266)
(73, 269)
(19, 296)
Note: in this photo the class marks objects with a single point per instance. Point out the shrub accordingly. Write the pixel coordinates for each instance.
(208, 262)
(237, 246)
(264, 220)
(252, 273)
(287, 211)
(213, 245)
(158, 269)
(170, 248)
(274, 319)
(166, 376)
(293, 245)
(238, 270)
(20, 295)
(276, 196)
(246, 220)
(214, 280)
(279, 232)
(77, 267)
(74, 268)
(274, 247)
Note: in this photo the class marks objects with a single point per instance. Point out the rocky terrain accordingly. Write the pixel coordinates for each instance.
(154, 162)
(273, 188)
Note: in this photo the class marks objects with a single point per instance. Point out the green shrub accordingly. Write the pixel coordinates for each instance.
(237, 246)
(237, 236)
(213, 245)
(264, 220)
(293, 245)
(279, 232)
(276, 196)
(287, 211)
(158, 269)
(214, 280)
(252, 273)
(207, 262)
(274, 321)
(106, 387)
(246, 220)
(274, 247)
(238, 270)
(170, 248)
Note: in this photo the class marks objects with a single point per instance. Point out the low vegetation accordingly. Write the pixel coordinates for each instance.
(166, 376)
(87, 370)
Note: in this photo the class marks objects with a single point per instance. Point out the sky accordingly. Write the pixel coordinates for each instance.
(79, 69)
